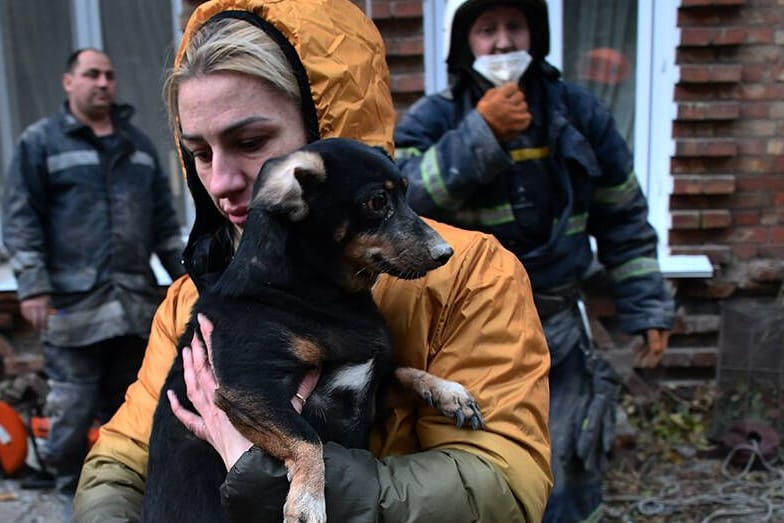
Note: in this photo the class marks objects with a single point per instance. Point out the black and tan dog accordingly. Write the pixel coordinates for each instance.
(325, 221)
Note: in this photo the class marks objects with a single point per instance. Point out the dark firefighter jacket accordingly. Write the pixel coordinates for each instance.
(81, 222)
(543, 194)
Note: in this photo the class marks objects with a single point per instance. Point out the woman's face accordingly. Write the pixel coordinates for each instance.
(232, 123)
(501, 29)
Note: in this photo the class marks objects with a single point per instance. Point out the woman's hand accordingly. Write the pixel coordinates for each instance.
(209, 422)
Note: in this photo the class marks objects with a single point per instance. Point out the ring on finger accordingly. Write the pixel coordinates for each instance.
(301, 398)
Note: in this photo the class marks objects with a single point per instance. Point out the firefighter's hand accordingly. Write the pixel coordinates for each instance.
(505, 110)
(36, 310)
(652, 351)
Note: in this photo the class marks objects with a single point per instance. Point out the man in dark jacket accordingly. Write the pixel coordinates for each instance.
(539, 163)
(86, 204)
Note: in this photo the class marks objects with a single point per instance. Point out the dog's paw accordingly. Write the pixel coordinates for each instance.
(305, 509)
(452, 399)
(455, 402)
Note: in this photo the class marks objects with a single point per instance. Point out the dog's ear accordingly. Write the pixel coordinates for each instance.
(281, 182)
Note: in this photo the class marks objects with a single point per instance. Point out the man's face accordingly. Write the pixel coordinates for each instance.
(498, 30)
(90, 86)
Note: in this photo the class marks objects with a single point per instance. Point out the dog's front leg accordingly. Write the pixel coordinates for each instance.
(305, 502)
(452, 399)
(285, 435)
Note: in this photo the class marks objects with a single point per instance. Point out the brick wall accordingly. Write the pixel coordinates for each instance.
(729, 160)
(728, 166)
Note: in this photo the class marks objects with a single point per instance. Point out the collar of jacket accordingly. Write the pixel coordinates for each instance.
(120, 113)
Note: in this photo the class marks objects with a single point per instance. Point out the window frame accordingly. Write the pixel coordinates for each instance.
(6, 132)
(656, 72)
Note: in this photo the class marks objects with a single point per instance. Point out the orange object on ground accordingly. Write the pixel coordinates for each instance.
(13, 440)
(40, 427)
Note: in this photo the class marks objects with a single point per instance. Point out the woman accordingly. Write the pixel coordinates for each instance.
(254, 80)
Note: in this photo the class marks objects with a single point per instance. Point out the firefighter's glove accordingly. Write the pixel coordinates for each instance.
(597, 426)
(505, 110)
(652, 350)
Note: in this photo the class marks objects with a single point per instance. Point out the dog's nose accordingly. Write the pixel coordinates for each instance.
(441, 253)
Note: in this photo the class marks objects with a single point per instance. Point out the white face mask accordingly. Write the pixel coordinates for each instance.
(502, 68)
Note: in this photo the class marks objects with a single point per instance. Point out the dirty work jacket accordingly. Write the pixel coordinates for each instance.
(482, 331)
(460, 174)
(81, 223)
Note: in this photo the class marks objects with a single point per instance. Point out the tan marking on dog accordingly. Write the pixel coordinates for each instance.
(389, 185)
(306, 350)
(306, 501)
(358, 257)
(304, 460)
(414, 379)
(252, 419)
(280, 185)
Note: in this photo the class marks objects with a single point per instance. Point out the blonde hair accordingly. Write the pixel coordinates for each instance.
(230, 45)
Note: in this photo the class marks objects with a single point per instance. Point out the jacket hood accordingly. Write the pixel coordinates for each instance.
(340, 59)
(460, 14)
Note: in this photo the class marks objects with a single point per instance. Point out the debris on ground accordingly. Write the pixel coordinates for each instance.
(666, 469)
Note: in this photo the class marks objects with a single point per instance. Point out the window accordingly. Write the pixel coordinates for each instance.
(30, 72)
(139, 35)
(612, 51)
(601, 55)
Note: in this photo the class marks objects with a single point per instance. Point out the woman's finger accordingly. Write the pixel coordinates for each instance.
(305, 389)
(199, 354)
(191, 421)
(206, 328)
(189, 375)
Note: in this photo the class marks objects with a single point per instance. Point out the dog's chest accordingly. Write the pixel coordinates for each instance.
(342, 406)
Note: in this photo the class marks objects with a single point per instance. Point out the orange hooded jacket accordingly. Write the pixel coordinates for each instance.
(472, 321)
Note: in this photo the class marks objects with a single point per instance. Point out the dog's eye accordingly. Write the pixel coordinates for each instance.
(378, 202)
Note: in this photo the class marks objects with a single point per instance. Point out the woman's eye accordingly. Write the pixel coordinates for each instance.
(378, 202)
(250, 144)
(202, 155)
